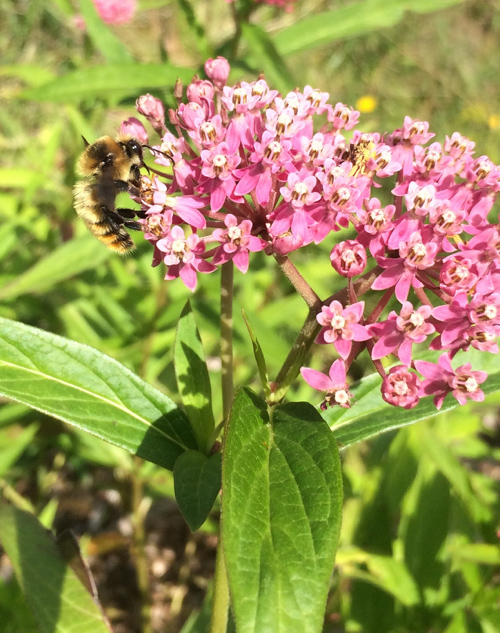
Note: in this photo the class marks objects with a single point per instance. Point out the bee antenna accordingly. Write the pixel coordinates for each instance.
(153, 149)
(85, 141)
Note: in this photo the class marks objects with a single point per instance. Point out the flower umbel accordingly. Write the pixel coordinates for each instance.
(245, 171)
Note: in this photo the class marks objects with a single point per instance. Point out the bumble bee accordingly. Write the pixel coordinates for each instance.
(109, 167)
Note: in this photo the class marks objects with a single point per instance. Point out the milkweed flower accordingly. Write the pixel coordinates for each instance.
(243, 169)
(115, 11)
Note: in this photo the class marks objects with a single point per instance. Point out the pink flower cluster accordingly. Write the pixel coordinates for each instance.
(247, 171)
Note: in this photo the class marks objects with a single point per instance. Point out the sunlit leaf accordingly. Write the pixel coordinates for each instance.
(58, 600)
(350, 20)
(281, 509)
(91, 391)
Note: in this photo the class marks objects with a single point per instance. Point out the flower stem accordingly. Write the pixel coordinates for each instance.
(302, 344)
(299, 283)
(220, 605)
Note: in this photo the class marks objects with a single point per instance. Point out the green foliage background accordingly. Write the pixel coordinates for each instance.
(419, 549)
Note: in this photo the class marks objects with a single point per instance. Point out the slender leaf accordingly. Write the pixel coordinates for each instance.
(425, 525)
(12, 444)
(91, 391)
(193, 380)
(32, 75)
(197, 480)
(387, 573)
(197, 30)
(111, 80)
(350, 21)
(113, 50)
(280, 515)
(58, 600)
(259, 357)
(69, 260)
(482, 553)
(266, 58)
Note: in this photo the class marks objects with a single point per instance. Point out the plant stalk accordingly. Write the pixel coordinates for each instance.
(220, 605)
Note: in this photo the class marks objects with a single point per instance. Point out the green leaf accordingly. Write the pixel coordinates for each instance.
(197, 480)
(58, 600)
(455, 473)
(113, 80)
(31, 74)
(482, 553)
(266, 58)
(387, 573)
(196, 29)
(370, 415)
(425, 525)
(13, 442)
(350, 21)
(69, 260)
(112, 49)
(281, 511)
(259, 357)
(79, 385)
(193, 380)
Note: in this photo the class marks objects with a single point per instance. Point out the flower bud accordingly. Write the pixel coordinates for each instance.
(133, 127)
(218, 71)
(153, 110)
(200, 90)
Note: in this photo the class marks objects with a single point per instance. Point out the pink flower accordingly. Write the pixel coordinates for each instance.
(341, 326)
(237, 241)
(400, 387)
(442, 379)
(401, 331)
(115, 11)
(334, 384)
(183, 256)
(348, 258)
(415, 254)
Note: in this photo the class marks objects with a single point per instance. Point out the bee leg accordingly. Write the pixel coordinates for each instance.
(135, 226)
(120, 186)
(133, 190)
(126, 213)
(112, 216)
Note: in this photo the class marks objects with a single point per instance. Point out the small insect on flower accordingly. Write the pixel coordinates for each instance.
(109, 166)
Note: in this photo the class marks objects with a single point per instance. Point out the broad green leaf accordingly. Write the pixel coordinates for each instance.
(197, 480)
(69, 260)
(13, 442)
(350, 21)
(79, 385)
(111, 80)
(280, 515)
(259, 357)
(370, 415)
(383, 571)
(266, 58)
(112, 49)
(58, 600)
(193, 380)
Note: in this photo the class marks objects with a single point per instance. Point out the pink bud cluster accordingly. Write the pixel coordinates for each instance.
(247, 171)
